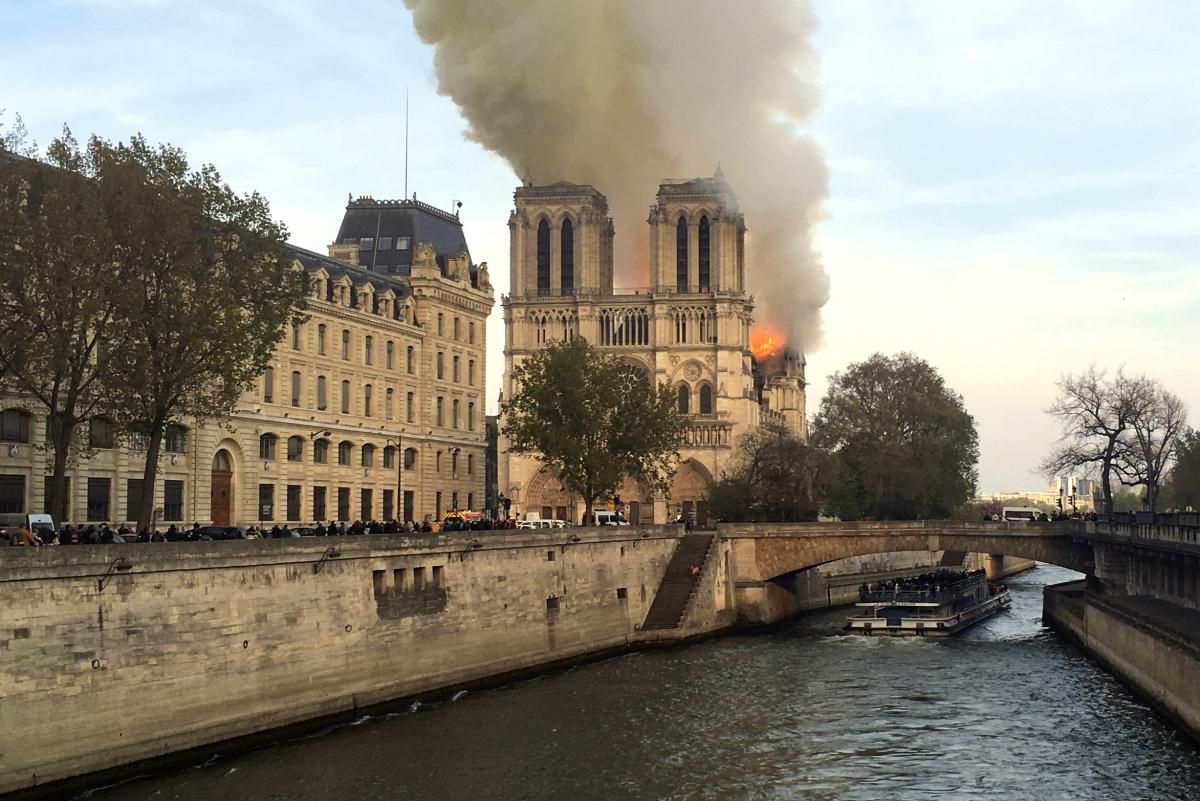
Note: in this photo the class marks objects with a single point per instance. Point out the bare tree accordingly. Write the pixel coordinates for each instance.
(1150, 445)
(1097, 413)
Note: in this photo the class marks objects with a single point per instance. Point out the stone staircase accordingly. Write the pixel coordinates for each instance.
(678, 583)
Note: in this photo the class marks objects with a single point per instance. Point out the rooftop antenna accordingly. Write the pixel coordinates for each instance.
(406, 141)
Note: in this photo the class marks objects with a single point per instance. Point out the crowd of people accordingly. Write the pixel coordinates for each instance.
(927, 586)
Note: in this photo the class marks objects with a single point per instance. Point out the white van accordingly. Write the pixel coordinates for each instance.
(41, 525)
(605, 517)
(1019, 514)
(534, 520)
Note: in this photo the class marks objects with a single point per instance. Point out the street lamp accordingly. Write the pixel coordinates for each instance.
(398, 443)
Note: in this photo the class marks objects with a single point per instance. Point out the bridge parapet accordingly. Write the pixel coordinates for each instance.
(1181, 529)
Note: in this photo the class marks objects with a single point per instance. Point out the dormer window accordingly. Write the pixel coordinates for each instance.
(366, 243)
(402, 243)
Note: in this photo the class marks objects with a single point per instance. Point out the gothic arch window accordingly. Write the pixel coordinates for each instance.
(704, 254)
(567, 257)
(681, 254)
(706, 399)
(685, 398)
(543, 258)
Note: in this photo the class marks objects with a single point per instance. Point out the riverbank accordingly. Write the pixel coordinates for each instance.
(1151, 646)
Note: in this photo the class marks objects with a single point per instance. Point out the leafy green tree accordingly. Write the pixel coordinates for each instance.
(61, 287)
(1182, 487)
(905, 445)
(593, 420)
(776, 478)
(214, 291)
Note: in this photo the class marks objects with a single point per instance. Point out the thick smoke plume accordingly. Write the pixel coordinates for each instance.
(623, 93)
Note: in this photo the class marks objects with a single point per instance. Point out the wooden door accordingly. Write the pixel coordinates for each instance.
(221, 483)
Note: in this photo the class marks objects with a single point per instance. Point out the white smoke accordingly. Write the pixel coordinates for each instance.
(623, 93)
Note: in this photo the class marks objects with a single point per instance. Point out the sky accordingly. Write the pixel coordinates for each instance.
(1015, 186)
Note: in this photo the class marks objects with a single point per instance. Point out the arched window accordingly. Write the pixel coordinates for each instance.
(389, 398)
(269, 385)
(345, 449)
(14, 425)
(704, 254)
(411, 363)
(100, 432)
(471, 372)
(367, 400)
(321, 451)
(176, 438)
(706, 400)
(389, 457)
(369, 349)
(567, 256)
(266, 446)
(295, 387)
(543, 258)
(438, 412)
(454, 414)
(345, 343)
(295, 449)
(322, 394)
(410, 458)
(389, 350)
(685, 398)
(368, 455)
(221, 462)
(681, 255)
(409, 403)
(457, 373)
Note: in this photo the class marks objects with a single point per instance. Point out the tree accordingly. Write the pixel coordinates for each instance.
(1181, 490)
(1150, 445)
(905, 446)
(214, 291)
(592, 421)
(777, 477)
(1096, 414)
(61, 287)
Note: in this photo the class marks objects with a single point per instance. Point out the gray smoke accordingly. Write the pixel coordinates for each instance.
(623, 93)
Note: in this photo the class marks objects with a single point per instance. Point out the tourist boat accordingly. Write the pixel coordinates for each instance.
(935, 604)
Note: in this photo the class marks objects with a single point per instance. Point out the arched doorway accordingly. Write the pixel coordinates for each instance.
(689, 490)
(222, 488)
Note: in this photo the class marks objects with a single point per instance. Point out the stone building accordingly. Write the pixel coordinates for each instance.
(690, 329)
(372, 408)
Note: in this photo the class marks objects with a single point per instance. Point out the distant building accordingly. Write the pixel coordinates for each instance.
(1064, 488)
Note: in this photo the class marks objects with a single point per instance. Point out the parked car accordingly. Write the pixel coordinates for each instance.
(223, 532)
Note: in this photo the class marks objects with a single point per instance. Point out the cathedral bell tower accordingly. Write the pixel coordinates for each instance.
(697, 237)
(561, 240)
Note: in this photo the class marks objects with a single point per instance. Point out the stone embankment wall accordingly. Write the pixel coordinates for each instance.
(196, 643)
(1151, 645)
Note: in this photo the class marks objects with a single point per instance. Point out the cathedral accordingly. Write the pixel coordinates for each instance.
(690, 330)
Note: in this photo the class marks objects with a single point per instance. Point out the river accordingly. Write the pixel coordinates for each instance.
(1006, 710)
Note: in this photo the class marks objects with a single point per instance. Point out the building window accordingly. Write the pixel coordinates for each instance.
(133, 497)
(543, 258)
(172, 501)
(345, 344)
(385, 243)
(454, 413)
(685, 397)
(454, 501)
(438, 416)
(470, 467)
(99, 494)
(437, 508)
(344, 450)
(269, 385)
(410, 458)
(471, 416)
(345, 397)
(322, 395)
(471, 333)
(295, 387)
(14, 425)
(706, 399)
(366, 243)
(388, 398)
(266, 501)
(368, 456)
(402, 243)
(389, 501)
(456, 372)
(704, 254)
(441, 358)
(266, 446)
(321, 451)
(318, 504)
(295, 336)
(12, 494)
(343, 503)
(176, 438)
(100, 435)
(682, 254)
(441, 324)
(437, 462)
(368, 349)
(454, 463)
(457, 329)
(389, 457)
(293, 502)
(295, 452)
(471, 372)
(365, 511)
(367, 400)
(567, 257)
(321, 339)
(408, 407)
(389, 351)
(411, 360)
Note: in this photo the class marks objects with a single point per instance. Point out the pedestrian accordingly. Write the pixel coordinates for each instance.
(25, 537)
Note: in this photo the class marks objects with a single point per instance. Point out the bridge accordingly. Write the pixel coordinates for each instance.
(1155, 556)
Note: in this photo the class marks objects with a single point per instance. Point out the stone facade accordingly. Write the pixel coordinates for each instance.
(690, 329)
(372, 408)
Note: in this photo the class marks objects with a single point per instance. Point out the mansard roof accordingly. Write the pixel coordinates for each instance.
(368, 221)
(355, 275)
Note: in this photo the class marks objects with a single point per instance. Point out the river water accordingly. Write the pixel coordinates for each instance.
(1006, 710)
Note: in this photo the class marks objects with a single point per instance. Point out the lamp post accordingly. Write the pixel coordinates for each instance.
(398, 442)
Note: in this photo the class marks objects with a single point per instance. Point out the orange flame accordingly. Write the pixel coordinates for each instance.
(764, 342)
